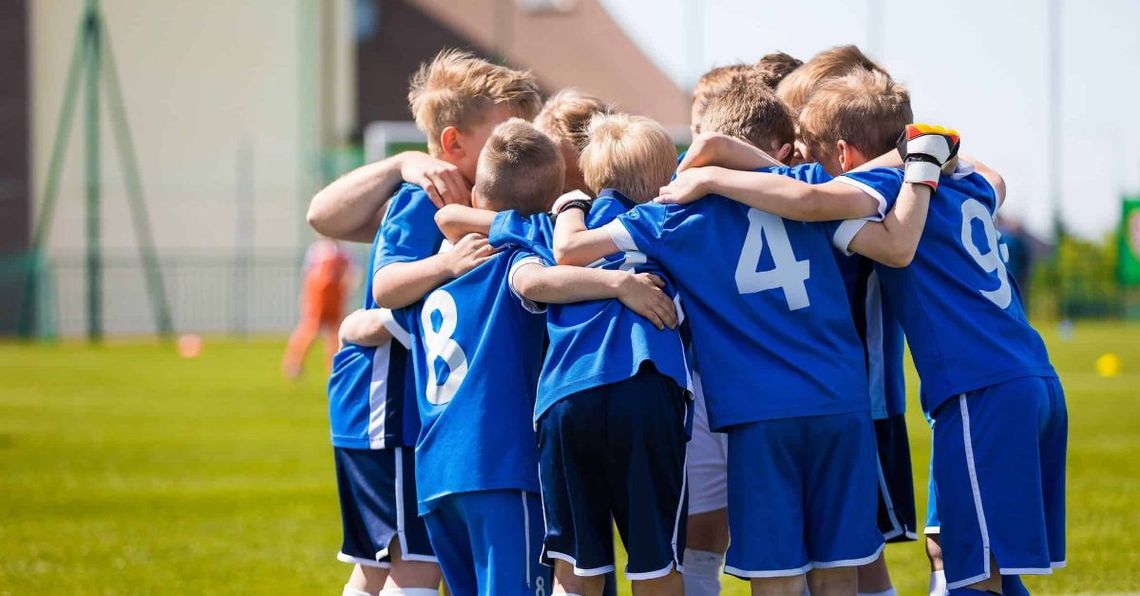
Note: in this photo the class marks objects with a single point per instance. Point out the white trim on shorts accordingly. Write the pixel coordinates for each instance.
(362, 561)
(401, 534)
(680, 507)
(1026, 570)
(738, 572)
(666, 570)
(971, 468)
(932, 530)
(526, 536)
(850, 562)
(885, 492)
(565, 558)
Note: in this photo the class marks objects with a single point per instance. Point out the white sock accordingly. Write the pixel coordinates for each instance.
(888, 592)
(351, 591)
(938, 583)
(702, 572)
(409, 592)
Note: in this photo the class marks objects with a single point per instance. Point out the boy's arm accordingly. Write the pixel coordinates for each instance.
(397, 285)
(364, 328)
(352, 206)
(456, 221)
(715, 149)
(894, 240)
(927, 152)
(991, 175)
(774, 193)
(639, 292)
(574, 244)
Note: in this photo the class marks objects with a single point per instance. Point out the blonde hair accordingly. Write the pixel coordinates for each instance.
(866, 109)
(519, 168)
(456, 89)
(565, 116)
(714, 80)
(747, 109)
(797, 87)
(631, 154)
(775, 67)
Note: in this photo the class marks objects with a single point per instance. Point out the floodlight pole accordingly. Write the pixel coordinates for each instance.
(1054, 151)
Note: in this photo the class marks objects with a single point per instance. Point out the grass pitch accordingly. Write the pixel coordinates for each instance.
(127, 469)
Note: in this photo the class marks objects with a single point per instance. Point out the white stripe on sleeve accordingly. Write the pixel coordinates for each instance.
(620, 236)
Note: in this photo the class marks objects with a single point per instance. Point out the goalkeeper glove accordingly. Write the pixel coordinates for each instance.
(925, 148)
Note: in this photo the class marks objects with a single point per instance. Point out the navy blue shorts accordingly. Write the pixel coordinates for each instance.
(999, 473)
(377, 504)
(801, 495)
(616, 452)
(489, 542)
(896, 480)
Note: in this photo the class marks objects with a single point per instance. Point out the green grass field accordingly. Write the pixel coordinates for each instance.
(129, 470)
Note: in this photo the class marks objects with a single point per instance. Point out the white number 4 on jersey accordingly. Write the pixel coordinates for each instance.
(787, 273)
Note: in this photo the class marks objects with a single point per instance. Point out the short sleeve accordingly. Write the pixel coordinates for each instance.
(641, 229)
(881, 184)
(520, 259)
(533, 233)
(811, 173)
(399, 333)
(408, 232)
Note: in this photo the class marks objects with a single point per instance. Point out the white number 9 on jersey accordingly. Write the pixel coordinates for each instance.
(439, 344)
(786, 273)
(990, 262)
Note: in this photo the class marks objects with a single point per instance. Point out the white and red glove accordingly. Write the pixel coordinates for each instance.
(925, 148)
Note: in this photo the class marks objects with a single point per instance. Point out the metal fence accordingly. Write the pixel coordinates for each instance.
(206, 292)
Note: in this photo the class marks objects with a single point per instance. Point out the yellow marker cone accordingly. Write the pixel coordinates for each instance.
(1108, 365)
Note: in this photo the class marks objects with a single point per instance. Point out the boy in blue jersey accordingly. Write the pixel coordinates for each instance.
(476, 454)
(611, 407)
(1001, 498)
(373, 430)
(613, 404)
(783, 373)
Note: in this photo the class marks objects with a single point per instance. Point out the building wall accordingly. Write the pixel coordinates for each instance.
(226, 110)
(203, 82)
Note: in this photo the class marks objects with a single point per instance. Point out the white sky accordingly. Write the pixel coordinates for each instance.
(977, 65)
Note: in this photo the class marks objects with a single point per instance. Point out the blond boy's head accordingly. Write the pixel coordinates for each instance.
(747, 109)
(457, 99)
(796, 89)
(631, 154)
(710, 83)
(854, 118)
(775, 67)
(520, 168)
(565, 118)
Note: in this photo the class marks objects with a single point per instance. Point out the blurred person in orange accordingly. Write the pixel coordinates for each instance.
(328, 273)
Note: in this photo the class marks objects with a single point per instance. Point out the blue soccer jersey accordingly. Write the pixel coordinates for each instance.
(477, 350)
(878, 328)
(601, 341)
(368, 389)
(765, 299)
(408, 232)
(958, 306)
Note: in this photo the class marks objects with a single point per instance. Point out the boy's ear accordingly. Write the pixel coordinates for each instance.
(843, 154)
(785, 152)
(450, 143)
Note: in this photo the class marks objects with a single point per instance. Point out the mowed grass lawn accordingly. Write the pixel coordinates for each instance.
(127, 469)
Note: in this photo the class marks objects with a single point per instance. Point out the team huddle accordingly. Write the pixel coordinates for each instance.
(568, 328)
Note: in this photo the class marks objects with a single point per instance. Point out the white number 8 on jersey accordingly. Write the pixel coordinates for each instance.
(439, 344)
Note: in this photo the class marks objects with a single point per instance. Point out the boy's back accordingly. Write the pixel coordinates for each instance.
(963, 319)
(762, 286)
(479, 349)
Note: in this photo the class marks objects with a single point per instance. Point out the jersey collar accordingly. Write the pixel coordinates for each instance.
(613, 193)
